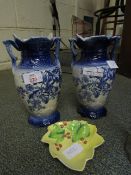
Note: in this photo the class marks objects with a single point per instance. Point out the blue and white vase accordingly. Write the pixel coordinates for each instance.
(93, 72)
(37, 77)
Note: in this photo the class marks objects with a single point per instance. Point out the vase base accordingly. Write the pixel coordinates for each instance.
(45, 120)
(92, 113)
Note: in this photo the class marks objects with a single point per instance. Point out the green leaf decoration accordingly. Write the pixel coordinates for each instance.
(79, 130)
(57, 133)
(74, 125)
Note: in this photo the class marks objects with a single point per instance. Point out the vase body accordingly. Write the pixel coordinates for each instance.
(92, 75)
(37, 77)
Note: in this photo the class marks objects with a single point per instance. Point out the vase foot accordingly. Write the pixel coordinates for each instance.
(92, 113)
(45, 120)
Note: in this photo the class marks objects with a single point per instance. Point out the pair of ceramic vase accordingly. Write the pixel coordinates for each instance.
(38, 76)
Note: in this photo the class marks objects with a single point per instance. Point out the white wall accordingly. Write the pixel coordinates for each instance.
(33, 17)
(85, 8)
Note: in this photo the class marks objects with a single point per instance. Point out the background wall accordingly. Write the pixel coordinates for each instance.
(33, 17)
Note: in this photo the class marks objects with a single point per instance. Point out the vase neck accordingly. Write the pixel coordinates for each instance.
(38, 58)
(94, 54)
(35, 53)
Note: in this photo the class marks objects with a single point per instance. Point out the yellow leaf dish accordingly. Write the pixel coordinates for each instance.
(72, 142)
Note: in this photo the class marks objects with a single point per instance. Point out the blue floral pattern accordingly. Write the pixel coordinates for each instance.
(89, 88)
(38, 95)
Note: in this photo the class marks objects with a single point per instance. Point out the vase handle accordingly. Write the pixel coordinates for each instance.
(8, 44)
(57, 48)
(115, 40)
(73, 49)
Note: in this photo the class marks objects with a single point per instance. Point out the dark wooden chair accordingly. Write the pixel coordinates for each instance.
(109, 15)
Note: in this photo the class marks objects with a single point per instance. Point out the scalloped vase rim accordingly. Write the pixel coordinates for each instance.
(93, 37)
(35, 37)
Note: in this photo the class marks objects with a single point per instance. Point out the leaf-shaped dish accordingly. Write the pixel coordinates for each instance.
(72, 142)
